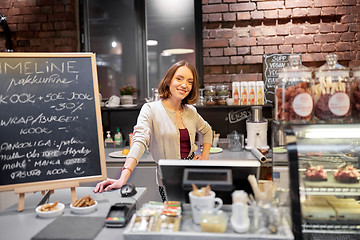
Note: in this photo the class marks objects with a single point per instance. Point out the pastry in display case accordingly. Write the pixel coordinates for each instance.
(324, 180)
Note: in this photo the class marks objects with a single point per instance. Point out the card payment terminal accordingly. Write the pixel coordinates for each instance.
(120, 214)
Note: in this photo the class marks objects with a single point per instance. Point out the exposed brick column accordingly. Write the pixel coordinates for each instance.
(41, 25)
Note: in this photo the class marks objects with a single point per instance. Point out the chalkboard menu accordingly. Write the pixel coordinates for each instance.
(272, 63)
(50, 124)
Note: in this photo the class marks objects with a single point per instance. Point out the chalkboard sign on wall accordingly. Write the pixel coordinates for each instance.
(272, 63)
(50, 120)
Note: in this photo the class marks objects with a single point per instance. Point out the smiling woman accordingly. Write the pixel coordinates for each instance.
(167, 127)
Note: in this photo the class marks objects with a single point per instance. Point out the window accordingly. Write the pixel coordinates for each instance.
(170, 35)
(136, 41)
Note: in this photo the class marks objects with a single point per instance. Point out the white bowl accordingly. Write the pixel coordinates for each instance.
(230, 101)
(84, 210)
(50, 214)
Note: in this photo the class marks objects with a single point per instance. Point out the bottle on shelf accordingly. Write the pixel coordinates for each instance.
(118, 138)
(236, 92)
(252, 93)
(109, 142)
(244, 93)
(260, 93)
(108, 137)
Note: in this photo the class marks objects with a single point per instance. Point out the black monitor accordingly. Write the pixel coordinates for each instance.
(224, 176)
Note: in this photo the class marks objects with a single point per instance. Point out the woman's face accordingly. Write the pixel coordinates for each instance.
(181, 83)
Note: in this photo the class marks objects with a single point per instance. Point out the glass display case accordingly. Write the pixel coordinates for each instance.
(324, 180)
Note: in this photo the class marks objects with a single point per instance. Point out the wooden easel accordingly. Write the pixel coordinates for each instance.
(45, 187)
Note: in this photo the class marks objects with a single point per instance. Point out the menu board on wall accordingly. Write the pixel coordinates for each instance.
(50, 120)
(272, 63)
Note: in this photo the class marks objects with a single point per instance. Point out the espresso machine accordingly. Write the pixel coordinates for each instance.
(256, 129)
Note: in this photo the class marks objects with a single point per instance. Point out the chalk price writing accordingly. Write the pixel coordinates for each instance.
(68, 106)
(17, 98)
(19, 163)
(50, 97)
(37, 130)
(42, 163)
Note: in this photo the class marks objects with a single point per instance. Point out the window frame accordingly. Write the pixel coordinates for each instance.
(142, 79)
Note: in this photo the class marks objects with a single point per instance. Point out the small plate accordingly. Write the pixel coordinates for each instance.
(84, 210)
(128, 105)
(50, 214)
(112, 106)
(117, 154)
(215, 150)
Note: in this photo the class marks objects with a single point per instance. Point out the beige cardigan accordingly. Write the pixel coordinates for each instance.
(156, 130)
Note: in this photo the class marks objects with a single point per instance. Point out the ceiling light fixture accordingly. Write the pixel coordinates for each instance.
(177, 51)
(152, 43)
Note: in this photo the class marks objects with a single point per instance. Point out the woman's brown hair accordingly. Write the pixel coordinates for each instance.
(164, 90)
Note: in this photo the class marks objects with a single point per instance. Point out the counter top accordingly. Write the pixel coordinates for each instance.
(24, 225)
(189, 230)
(147, 158)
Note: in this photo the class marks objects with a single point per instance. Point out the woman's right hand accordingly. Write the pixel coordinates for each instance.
(107, 185)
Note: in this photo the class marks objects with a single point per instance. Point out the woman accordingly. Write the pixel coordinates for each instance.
(167, 127)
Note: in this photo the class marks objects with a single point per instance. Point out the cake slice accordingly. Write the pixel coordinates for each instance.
(318, 213)
(347, 174)
(347, 213)
(316, 173)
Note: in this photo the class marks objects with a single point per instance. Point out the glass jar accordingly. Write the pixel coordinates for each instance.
(222, 90)
(293, 99)
(356, 93)
(210, 90)
(201, 100)
(332, 91)
(221, 100)
(210, 100)
(236, 141)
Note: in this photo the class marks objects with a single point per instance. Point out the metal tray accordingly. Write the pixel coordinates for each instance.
(189, 230)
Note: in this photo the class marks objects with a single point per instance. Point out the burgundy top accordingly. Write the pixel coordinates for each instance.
(184, 143)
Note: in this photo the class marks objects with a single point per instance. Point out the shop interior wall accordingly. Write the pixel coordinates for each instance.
(236, 33)
(217, 117)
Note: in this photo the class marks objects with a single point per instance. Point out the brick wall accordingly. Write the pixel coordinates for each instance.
(236, 33)
(40, 25)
